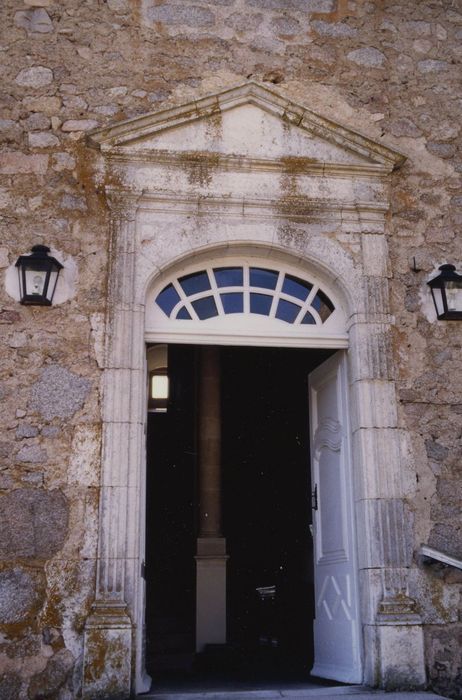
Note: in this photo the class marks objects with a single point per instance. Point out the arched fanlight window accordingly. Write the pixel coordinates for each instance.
(244, 289)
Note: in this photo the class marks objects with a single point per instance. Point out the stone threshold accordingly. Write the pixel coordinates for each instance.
(296, 693)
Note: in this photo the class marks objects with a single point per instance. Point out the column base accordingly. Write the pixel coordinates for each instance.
(210, 591)
(107, 652)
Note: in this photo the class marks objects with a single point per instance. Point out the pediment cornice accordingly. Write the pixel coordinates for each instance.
(118, 141)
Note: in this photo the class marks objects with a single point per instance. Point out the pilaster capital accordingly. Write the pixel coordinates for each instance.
(122, 204)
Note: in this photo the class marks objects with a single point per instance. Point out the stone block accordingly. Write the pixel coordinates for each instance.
(416, 28)
(443, 645)
(17, 340)
(37, 121)
(50, 431)
(46, 103)
(375, 255)
(303, 5)
(244, 21)
(33, 454)
(35, 77)
(371, 593)
(374, 405)
(79, 125)
(188, 14)
(5, 201)
(373, 359)
(59, 393)
(432, 66)
(84, 459)
(62, 161)
(377, 450)
(42, 139)
(107, 637)
(119, 6)
(335, 30)
(285, 25)
(435, 451)
(447, 537)
(21, 594)
(386, 538)
(438, 601)
(442, 150)
(49, 681)
(401, 657)
(368, 56)
(34, 20)
(75, 102)
(14, 162)
(377, 295)
(405, 127)
(25, 430)
(73, 202)
(107, 110)
(33, 524)
(10, 686)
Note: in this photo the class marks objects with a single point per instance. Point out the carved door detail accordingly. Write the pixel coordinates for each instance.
(336, 625)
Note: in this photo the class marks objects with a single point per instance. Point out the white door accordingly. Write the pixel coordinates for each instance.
(337, 648)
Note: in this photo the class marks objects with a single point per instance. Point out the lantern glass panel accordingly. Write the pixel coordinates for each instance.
(438, 299)
(454, 296)
(35, 282)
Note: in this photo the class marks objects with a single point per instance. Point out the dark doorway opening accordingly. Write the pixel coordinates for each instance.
(266, 516)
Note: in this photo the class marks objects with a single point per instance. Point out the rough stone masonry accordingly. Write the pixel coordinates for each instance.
(390, 69)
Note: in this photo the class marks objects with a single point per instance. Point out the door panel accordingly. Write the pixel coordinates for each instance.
(336, 626)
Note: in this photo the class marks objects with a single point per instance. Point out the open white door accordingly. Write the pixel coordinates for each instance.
(337, 648)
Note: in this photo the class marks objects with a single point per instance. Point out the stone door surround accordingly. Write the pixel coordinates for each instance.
(248, 173)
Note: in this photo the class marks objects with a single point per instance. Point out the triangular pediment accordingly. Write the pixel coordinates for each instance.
(249, 122)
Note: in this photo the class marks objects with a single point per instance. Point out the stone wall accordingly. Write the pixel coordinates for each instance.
(388, 69)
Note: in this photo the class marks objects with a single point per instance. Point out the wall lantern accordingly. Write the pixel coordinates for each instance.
(38, 275)
(446, 291)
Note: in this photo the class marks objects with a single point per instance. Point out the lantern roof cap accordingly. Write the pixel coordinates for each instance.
(39, 252)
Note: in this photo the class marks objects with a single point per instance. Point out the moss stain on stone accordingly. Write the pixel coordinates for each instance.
(200, 166)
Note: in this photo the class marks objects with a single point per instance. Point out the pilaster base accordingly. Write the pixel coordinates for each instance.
(398, 644)
(107, 653)
(210, 592)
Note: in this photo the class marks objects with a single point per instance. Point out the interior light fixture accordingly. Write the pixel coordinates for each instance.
(158, 390)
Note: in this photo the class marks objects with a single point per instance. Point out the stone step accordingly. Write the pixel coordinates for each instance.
(335, 693)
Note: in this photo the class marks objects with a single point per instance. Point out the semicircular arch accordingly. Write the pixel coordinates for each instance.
(243, 295)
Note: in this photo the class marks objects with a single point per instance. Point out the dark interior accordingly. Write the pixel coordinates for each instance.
(266, 516)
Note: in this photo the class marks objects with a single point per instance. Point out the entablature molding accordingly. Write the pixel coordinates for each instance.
(291, 165)
(299, 208)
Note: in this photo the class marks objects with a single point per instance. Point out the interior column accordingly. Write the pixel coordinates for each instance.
(211, 545)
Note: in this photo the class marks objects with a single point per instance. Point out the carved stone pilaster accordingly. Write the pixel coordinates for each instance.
(109, 630)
